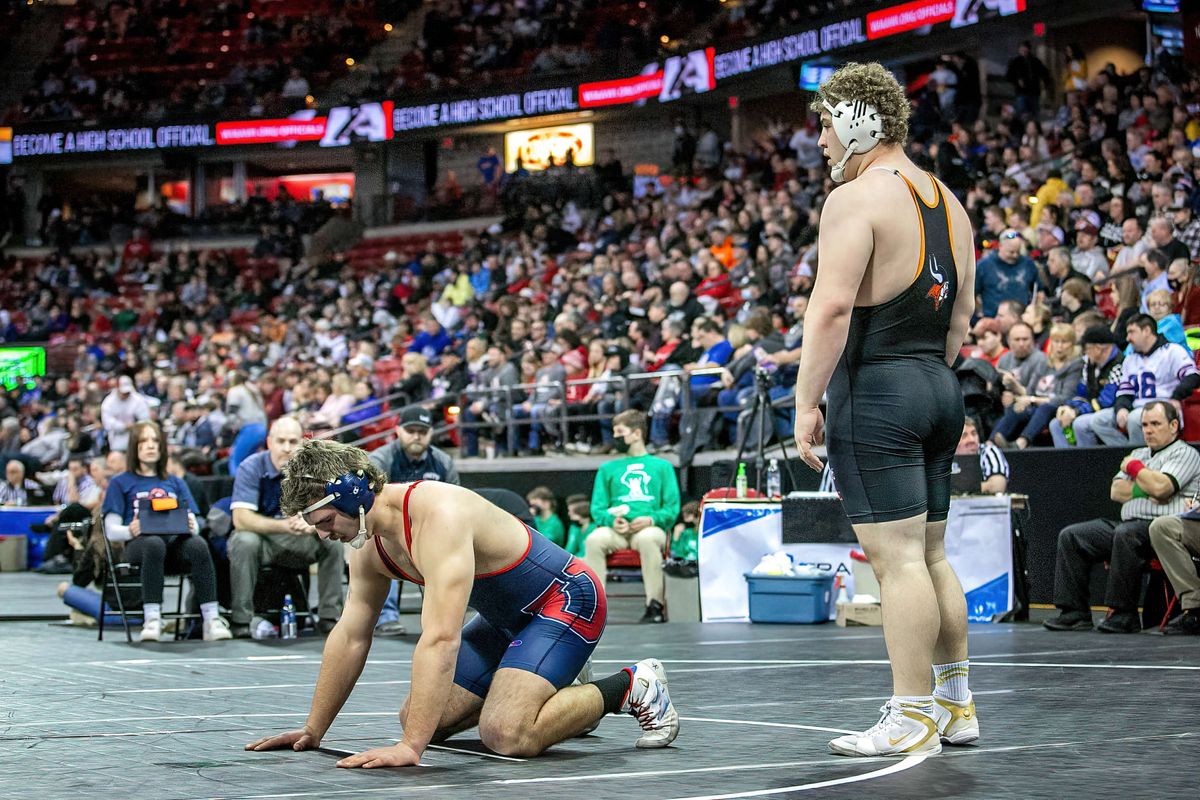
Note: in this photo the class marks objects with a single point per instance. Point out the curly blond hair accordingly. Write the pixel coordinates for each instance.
(874, 84)
(317, 462)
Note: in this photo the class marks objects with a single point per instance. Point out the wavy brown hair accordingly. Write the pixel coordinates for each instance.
(872, 83)
(317, 462)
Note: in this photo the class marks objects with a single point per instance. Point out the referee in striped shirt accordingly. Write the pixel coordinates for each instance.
(1154, 481)
(992, 463)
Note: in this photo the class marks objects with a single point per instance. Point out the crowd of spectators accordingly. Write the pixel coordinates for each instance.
(701, 277)
(148, 59)
(464, 43)
(72, 220)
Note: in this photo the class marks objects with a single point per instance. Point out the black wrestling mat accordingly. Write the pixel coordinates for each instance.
(1063, 715)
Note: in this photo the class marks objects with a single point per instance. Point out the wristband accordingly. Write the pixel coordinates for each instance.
(1134, 467)
(1139, 492)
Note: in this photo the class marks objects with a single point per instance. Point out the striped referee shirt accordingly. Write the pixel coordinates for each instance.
(1181, 463)
(992, 461)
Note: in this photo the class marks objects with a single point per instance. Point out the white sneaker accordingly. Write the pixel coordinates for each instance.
(650, 702)
(957, 722)
(899, 732)
(216, 629)
(152, 630)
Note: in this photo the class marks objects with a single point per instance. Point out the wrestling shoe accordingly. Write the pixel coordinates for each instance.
(899, 732)
(216, 629)
(585, 676)
(152, 630)
(956, 722)
(649, 701)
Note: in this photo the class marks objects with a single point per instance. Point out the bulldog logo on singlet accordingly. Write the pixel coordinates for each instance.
(940, 289)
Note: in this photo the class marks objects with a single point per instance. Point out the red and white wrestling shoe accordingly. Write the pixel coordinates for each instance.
(650, 702)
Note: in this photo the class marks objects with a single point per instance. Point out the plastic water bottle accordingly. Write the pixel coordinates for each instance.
(287, 619)
(1069, 432)
(774, 480)
(741, 481)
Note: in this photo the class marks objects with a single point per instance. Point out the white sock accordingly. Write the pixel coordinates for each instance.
(950, 681)
(923, 704)
(210, 611)
(151, 611)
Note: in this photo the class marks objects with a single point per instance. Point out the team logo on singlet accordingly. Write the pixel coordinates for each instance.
(940, 289)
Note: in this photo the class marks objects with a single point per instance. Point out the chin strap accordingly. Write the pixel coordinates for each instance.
(358, 541)
(838, 172)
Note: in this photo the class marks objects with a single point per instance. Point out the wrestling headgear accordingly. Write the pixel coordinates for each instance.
(858, 127)
(350, 494)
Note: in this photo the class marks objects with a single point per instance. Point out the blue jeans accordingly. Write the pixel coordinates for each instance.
(470, 435)
(605, 409)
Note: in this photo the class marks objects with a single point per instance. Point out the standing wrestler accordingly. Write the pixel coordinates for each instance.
(540, 613)
(888, 313)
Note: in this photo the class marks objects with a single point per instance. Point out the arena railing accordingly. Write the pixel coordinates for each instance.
(506, 398)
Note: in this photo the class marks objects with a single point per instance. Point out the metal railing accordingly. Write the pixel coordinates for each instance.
(502, 400)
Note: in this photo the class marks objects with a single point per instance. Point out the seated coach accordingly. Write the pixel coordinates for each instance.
(262, 536)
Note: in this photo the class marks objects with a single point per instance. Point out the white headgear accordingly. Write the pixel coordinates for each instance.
(858, 126)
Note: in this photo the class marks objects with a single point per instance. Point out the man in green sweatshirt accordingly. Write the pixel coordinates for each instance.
(635, 501)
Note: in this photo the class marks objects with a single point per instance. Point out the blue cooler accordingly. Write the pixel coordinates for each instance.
(783, 598)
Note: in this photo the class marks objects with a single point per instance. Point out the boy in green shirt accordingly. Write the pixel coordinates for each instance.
(684, 540)
(579, 512)
(635, 501)
(544, 506)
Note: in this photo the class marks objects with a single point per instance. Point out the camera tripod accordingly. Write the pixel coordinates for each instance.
(762, 413)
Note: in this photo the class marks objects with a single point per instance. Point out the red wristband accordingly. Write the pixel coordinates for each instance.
(1134, 467)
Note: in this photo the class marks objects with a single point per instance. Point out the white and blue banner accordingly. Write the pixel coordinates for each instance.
(735, 535)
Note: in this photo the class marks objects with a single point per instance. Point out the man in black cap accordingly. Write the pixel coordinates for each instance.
(410, 457)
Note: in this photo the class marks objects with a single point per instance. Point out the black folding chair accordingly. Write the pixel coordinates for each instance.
(125, 582)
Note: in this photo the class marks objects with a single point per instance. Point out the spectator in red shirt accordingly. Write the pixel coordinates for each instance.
(990, 340)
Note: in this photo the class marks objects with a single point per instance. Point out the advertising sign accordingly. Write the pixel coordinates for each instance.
(536, 147)
(485, 109)
(112, 140)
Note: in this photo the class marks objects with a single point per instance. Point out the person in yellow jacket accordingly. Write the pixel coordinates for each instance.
(1047, 195)
(457, 295)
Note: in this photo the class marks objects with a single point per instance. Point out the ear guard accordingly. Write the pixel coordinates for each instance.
(350, 494)
(857, 126)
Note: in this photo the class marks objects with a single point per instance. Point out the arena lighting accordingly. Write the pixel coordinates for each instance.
(664, 39)
(349, 62)
(387, 26)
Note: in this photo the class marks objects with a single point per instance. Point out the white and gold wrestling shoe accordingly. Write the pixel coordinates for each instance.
(650, 702)
(901, 731)
(957, 722)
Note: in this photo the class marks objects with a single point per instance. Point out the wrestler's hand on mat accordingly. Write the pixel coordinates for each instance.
(296, 740)
(810, 432)
(398, 755)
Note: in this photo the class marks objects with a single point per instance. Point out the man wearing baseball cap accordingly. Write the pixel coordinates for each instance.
(1087, 257)
(123, 407)
(410, 457)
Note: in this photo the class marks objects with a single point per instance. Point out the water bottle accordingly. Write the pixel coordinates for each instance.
(774, 480)
(287, 619)
(1069, 432)
(741, 482)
